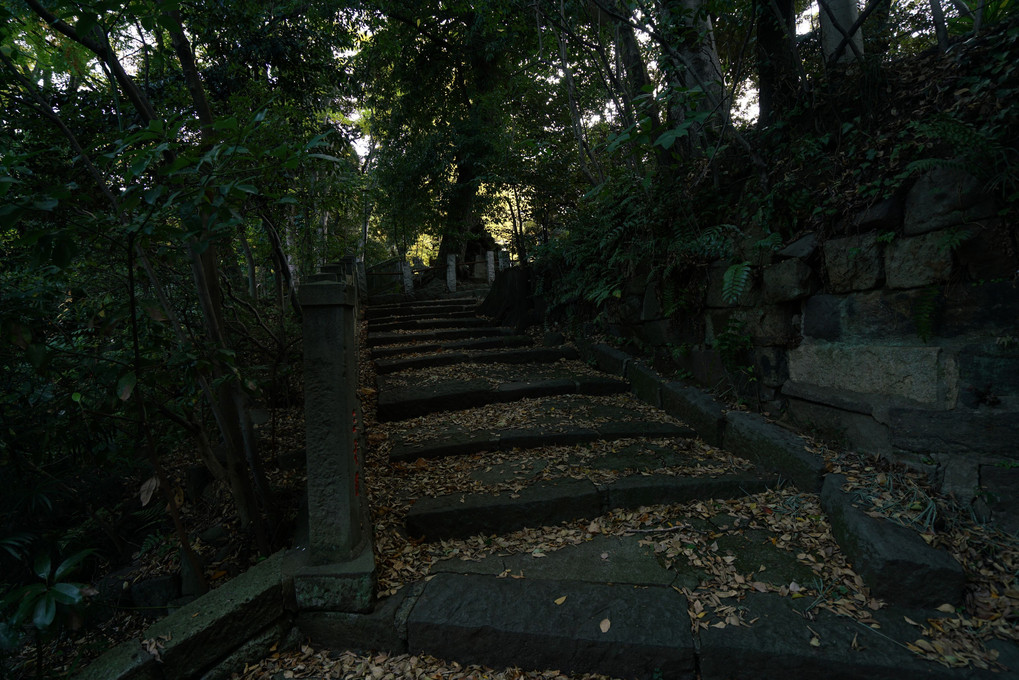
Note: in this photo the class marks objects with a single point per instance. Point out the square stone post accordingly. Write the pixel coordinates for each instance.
(504, 260)
(451, 273)
(339, 574)
(362, 280)
(490, 264)
(408, 278)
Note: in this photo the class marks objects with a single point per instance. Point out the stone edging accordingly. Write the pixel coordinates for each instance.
(213, 636)
(895, 562)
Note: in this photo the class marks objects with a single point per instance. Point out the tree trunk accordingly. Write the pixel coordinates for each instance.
(776, 59)
(837, 18)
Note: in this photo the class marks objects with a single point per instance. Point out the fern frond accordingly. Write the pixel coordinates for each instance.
(735, 282)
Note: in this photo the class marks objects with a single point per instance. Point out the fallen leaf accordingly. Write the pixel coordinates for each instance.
(946, 608)
(605, 625)
(148, 488)
(560, 600)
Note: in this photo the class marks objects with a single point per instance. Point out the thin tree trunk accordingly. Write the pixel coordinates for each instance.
(249, 261)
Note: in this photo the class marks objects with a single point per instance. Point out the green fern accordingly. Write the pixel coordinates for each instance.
(952, 239)
(735, 282)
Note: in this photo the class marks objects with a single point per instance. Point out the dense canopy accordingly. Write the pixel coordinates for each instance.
(169, 171)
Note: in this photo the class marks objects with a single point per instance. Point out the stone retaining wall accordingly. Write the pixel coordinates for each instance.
(900, 340)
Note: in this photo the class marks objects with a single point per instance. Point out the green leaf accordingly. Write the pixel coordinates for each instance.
(69, 565)
(47, 205)
(735, 282)
(66, 593)
(29, 600)
(125, 386)
(45, 611)
(76, 397)
(42, 566)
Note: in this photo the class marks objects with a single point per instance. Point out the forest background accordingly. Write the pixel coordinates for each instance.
(171, 171)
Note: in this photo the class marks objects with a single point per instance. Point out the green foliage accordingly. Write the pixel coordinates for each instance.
(952, 238)
(736, 282)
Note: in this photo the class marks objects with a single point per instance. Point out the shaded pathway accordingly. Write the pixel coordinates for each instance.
(661, 555)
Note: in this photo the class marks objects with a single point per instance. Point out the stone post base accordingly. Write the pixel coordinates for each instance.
(341, 587)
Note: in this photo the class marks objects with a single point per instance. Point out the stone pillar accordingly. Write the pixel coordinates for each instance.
(349, 264)
(362, 280)
(408, 278)
(490, 263)
(451, 273)
(504, 260)
(339, 573)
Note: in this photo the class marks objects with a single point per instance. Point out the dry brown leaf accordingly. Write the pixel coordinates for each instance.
(605, 625)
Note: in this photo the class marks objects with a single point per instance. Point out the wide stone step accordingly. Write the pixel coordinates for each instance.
(551, 502)
(432, 307)
(575, 627)
(464, 314)
(467, 443)
(393, 338)
(428, 324)
(410, 402)
(494, 342)
(521, 356)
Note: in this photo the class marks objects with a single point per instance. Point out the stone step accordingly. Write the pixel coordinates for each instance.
(551, 502)
(465, 314)
(616, 630)
(520, 356)
(392, 338)
(549, 613)
(409, 402)
(498, 341)
(427, 324)
(455, 443)
(433, 307)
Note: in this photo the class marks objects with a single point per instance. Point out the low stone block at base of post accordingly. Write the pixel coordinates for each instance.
(341, 587)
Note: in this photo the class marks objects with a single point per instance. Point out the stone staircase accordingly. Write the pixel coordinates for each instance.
(681, 559)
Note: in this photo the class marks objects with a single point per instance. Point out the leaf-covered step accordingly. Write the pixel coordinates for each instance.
(432, 323)
(431, 307)
(409, 402)
(552, 501)
(417, 347)
(457, 443)
(510, 356)
(394, 338)
(573, 626)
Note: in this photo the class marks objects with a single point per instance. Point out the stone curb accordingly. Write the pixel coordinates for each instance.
(894, 562)
(245, 617)
(897, 564)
